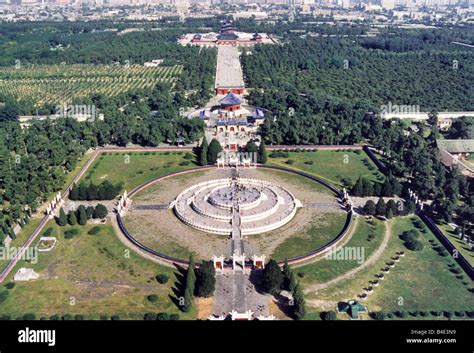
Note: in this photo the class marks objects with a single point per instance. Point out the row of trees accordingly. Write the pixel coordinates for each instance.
(81, 215)
(198, 282)
(104, 191)
(389, 209)
(275, 279)
(364, 187)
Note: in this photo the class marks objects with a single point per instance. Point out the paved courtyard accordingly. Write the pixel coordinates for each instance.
(235, 291)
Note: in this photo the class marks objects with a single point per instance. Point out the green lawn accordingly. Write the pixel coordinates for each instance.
(421, 281)
(333, 166)
(93, 275)
(135, 168)
(460, 245)
(327, 269)
(320, 232)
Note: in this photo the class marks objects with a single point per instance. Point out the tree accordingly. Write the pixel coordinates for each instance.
(81, 215)
(203, 152)
(82, 191)
(205, 279)
(188, 301)
(368, 189)
(92, 192)
(370, 208)
(299, 309)
(251, 147)
(289, 282)
(90, 211)
(74, 193)
(62, 219)
(358, 188)
(380, 207)
(387, 190)
(392, 208)
(71, 218)
(262, 153)
(272, 278)
(214, 149)
(191, 275)
(100, 211)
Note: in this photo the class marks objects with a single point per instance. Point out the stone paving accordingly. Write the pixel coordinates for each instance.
(235, 291)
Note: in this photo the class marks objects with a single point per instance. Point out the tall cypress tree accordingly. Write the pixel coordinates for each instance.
(191, 276)
(299, 309)
(203, 152)
(62, 219)
(289, 282)
(81, 215)
(214, 149)
(262, 153)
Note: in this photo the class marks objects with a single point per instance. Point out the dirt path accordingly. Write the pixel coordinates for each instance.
(370, 261)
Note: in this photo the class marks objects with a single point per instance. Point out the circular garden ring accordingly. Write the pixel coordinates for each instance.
(171, 261)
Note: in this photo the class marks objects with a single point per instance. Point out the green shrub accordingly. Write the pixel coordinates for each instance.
(152, 298)
(162, 278)
(94, 230)
(70, 233)
(414, 245)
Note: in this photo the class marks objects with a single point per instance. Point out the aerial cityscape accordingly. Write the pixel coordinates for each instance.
(237, 161)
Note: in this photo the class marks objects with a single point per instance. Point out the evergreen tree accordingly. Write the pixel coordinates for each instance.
(380, 207)
(71, 218)
(188, 301)
(392, 206)
(369, 208)
(358, 188)
(74, 193)
(299, 309)
(214, 149)
(272, 278)
(205, 279)
(368, 189)
(191, 275)
(387, 188)
(90, 211)
(251, 147)
(203, 152)
(289, 281)
(81, 215)
(92, 192)
(262, 153)
(62, 218)
(82, 191)
(100, 211)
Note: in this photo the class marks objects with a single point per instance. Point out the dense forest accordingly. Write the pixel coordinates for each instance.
(328, 91)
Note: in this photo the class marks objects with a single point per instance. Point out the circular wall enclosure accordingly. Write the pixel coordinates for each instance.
(254, 206)
(192, 212)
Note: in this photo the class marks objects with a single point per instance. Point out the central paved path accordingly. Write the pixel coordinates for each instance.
(235, 291)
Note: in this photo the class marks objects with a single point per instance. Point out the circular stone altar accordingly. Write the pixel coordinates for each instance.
(249, 206)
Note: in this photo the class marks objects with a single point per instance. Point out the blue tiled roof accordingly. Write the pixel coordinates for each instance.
(230, 99)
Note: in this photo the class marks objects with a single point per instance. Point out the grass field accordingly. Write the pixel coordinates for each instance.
(60, 84)
(325, 270)
(320, 232)
(135, 168)
(92, 275)
(333, 166)
(421, 281)
(460, 245)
